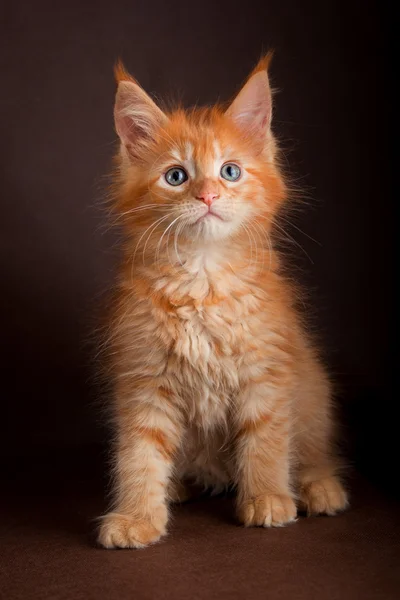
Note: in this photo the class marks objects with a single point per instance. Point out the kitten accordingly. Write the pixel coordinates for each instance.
(215, 378)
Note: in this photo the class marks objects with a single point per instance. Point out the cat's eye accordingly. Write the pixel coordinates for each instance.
(230, 172)
(176, 176)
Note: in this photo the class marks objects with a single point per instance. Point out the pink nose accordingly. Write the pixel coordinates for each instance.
(207, 197)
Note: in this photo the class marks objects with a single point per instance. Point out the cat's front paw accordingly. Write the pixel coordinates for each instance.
(267, 510)
(325, 496)
(122, 531)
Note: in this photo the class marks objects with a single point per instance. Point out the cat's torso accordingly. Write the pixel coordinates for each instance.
(219, 329)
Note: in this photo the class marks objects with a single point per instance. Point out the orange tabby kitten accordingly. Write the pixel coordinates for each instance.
(215, 378)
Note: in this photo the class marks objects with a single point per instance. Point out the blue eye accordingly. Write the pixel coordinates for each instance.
(230, 172)
(176, 176)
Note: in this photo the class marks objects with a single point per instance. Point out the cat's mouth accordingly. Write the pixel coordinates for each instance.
(209, 215)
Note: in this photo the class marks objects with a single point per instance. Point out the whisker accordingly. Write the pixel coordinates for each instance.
(147, 206)
(166, 133)
(177, 232)
(269, 250)
(162, 237)
(261, 237)
(153, 225)
(158, 195)
(149, 236)
(248, 225)
(137, 209)
(289, 237)
(251, 246)
(298, 229)
(167, 248)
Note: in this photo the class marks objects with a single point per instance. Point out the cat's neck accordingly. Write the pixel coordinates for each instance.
(198, 271)
(204, 260)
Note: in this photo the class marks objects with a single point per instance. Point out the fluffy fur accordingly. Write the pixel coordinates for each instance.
(215, 379)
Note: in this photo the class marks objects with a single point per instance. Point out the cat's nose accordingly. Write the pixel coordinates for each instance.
(207, 197)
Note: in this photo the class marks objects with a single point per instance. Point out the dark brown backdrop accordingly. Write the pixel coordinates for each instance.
(57, 139)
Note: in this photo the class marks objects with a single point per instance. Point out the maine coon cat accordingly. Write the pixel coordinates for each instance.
(215, 377)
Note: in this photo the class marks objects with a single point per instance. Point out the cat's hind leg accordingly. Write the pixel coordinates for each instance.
(318, 467)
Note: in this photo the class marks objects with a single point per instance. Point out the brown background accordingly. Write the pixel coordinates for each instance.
(57, 139)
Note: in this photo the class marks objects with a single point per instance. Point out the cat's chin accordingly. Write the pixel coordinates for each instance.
(211, 227)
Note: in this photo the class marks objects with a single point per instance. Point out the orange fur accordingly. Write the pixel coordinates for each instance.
(121, 74)
(215, 376)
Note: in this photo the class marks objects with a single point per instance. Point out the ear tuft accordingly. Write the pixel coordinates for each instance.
(121, 74)
(263, 64)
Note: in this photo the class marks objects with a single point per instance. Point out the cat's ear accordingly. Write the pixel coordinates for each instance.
(251, 110)
(137, 117)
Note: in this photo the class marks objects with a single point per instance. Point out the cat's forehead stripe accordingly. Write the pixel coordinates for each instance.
(189, 151)
(217, 150)
(183, 153)
(205, 156)
(176, 155)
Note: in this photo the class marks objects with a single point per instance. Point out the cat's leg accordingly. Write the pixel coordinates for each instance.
(148, 435)
(320, 489)
(262, 420)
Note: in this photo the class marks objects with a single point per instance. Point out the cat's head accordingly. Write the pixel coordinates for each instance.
(204, 173)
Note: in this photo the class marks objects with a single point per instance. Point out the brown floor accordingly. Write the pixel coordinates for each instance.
(47, 549)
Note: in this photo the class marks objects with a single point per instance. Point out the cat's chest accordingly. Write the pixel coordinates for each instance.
(211, 318)
(215, 330)
(209, 328)
(210, 343)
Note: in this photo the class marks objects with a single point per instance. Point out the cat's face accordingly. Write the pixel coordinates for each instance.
(203, 174)
(207, 179)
